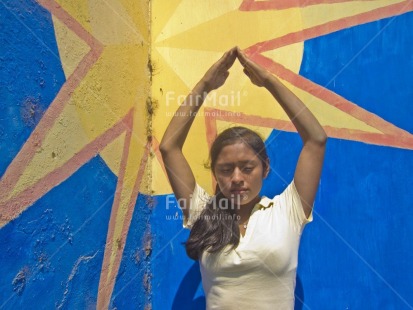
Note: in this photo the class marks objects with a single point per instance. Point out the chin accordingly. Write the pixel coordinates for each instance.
(241, 200)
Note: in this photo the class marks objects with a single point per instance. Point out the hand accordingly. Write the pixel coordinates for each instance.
(257, 74)
(216, 76)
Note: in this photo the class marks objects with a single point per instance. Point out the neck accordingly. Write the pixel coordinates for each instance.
(244, 211)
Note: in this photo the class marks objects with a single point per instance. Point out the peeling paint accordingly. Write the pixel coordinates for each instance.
(75, 269)
(19, 281)
(152, 68)
(147, 251)
(31, 111)
(148, 248)
(151, 106)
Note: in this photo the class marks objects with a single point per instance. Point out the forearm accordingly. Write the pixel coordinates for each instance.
(304, 121)
(178, 128)
(180, 124)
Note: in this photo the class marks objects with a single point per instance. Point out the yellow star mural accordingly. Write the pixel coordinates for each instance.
(185, 45)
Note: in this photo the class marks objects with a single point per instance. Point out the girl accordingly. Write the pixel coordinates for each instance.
(247, 245)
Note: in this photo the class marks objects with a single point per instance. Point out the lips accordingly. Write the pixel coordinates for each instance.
(238, 191)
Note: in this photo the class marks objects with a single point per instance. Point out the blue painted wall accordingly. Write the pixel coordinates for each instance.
(51, 256)
(30, 73)
(55, 248)
(362, 230)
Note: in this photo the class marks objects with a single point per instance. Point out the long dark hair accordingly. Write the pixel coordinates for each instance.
(217, 226)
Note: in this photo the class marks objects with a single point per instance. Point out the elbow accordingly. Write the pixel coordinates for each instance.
(320, 139)
(164, 148)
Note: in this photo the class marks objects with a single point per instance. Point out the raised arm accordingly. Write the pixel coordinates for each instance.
(309, 165)
(179, 172)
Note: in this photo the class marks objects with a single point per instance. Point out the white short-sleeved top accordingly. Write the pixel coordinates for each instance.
(261, 271)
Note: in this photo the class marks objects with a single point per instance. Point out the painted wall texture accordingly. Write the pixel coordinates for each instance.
(87, 218)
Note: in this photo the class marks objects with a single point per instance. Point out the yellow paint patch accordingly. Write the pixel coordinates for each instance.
(63, 141)
(290, 56)
(79, 10)
(126, 198)
(236, 28)
(161, 13)
(112, 24)
(201, 12)
(113, 86)
(188, 65)
(112, 154)
(138, 14)
(169, 89)
(160, 183)
(72, 49)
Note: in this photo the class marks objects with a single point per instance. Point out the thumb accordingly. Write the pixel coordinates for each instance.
(225, 76)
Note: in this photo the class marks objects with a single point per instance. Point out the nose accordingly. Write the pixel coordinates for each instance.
(237, 176)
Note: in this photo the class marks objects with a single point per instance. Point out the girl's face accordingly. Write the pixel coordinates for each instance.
(239, 173)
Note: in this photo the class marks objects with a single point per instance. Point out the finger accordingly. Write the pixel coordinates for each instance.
(239, 51)
(249, 75)
(233, 50)
(228, 54)
(229, 58)
(242, 58)
(247, 63)
(222, 59)
(222, 78)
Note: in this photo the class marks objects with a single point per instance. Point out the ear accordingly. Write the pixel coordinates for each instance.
(266, 169)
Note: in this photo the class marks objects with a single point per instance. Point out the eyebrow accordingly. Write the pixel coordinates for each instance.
(224, 165)
(243, 162)
(246, 162)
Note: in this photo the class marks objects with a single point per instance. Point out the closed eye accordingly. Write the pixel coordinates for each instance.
(248, 169)
(225, 169)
